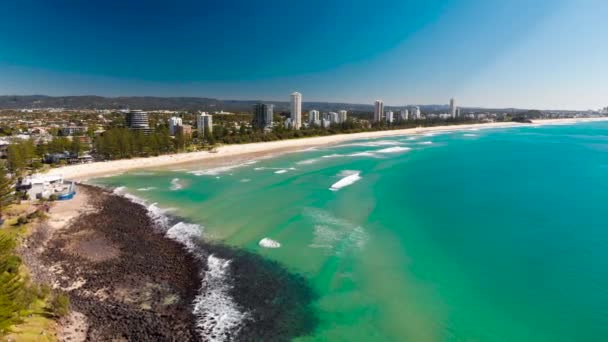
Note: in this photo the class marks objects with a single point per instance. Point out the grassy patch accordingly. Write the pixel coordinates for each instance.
(37, 325)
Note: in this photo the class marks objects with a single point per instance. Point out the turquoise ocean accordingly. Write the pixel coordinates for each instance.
(476, 235)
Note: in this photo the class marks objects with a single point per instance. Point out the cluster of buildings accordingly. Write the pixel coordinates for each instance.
(315, 118)
(138, 120)
(410, 113)
(204, 125)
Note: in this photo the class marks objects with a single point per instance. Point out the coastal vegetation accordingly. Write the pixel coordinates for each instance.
(26, 307)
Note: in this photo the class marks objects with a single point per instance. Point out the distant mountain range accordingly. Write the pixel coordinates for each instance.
(184, 103)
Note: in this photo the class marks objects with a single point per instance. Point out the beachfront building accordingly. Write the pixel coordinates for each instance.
(204, 122)
(342, 116)
(389, 116)
(174, 122)
(137, 120)
(262, 116)
(296, 110)
(453, 108)
(314, 117)
(378, 110)
(404, 115)
(45, 186)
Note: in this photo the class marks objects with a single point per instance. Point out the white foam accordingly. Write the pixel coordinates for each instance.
(396, 149)
(245, 180)
(324, 237)
(269, 243)
(120, 190)
(373, 143)
(425, 143)
(350, 177)
(363, 154)
(216, 312)
(176, 185)
(222, 169)
(147, 189)
(143, 173)
(185, 233)
(281, 171)
(308, 161)
(470, 135)
(335, 155)
(336, 234)
(214, 308)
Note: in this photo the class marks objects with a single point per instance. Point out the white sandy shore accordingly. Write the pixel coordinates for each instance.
(100, 169)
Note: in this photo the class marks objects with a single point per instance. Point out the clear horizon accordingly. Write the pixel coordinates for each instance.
(520, 54)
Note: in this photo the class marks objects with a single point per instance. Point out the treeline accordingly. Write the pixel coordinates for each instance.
(120, 143)
(26, 154)
(246, 135)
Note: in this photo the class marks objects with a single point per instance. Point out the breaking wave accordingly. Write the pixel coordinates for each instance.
(349, 178)
(396, 149)
(176, 185)
(373, 143)
(269, 243)
(220, 170)
(218, 316)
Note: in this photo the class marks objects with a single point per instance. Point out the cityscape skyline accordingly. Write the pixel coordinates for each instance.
(492, 55)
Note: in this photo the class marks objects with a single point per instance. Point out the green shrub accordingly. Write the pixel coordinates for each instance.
(22, 220)
(60, 305)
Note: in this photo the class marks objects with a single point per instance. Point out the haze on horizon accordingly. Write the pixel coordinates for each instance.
(528, 54)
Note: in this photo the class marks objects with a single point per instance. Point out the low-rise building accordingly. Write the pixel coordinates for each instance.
(45, 186)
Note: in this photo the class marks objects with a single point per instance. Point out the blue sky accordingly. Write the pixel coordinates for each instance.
(493, 53)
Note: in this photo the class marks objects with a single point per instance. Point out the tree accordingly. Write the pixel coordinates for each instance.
(6, 190)
(76, 146)
(20, 154)
(11, 286)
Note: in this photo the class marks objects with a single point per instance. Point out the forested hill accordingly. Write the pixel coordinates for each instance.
(170, 103)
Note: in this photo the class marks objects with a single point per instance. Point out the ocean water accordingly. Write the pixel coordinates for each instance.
(479, 235)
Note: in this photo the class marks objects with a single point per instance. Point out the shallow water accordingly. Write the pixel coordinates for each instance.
(488, 235)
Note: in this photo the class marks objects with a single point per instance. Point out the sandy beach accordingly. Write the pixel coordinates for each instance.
(225, 153)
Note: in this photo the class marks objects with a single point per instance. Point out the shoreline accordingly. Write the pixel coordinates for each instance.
(83, 172)
(133, 272)
(125, 279)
